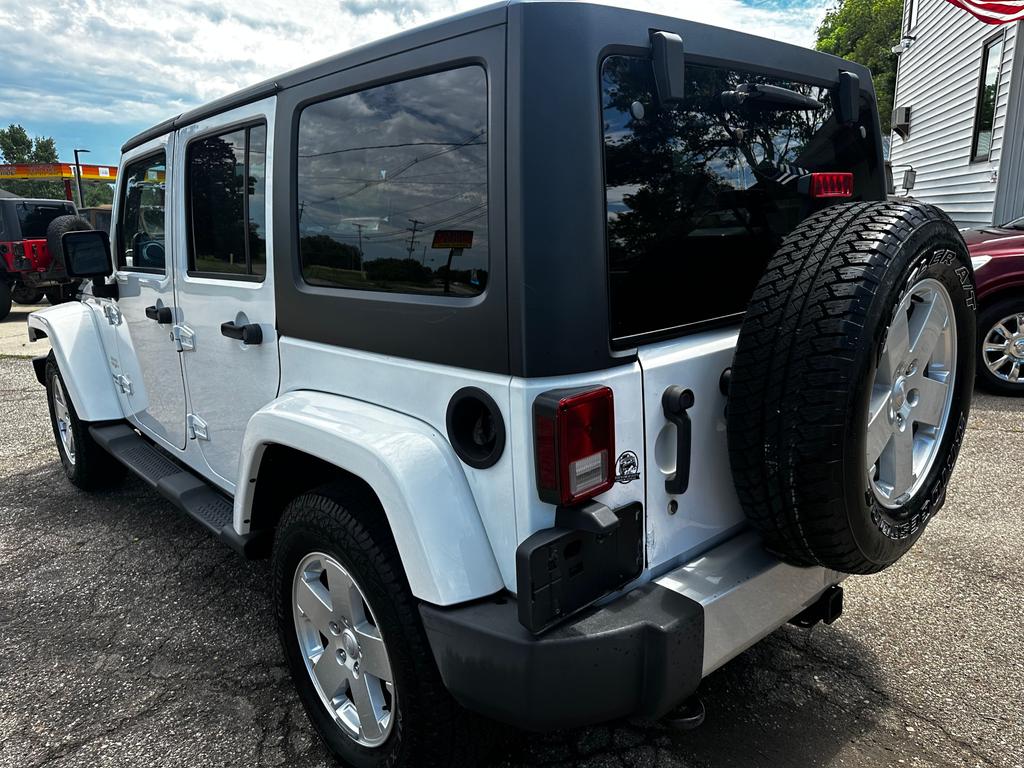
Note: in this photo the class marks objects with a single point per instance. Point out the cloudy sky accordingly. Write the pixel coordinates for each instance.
(91, 73)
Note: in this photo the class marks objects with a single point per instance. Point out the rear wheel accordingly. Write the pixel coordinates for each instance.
(851, 384)
(352, 636)
(1001, 335)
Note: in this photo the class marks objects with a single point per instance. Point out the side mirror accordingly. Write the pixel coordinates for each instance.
(87, 253)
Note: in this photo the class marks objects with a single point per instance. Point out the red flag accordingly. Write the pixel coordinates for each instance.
(993, 11)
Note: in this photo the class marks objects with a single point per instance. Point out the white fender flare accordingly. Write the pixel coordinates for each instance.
(410, 466)
(78, 349)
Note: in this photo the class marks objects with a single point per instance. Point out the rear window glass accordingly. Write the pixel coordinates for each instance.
(392, 187)
(699, 196)
(34, 218)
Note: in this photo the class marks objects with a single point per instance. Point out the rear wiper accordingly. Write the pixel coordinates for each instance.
(769, 97)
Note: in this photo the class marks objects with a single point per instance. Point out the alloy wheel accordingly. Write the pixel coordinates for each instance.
(1003, 349)
(342, 647)
(912, 394)
(62, 414)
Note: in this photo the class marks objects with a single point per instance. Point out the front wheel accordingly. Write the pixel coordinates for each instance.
(1001, 335)
(85, 463)
(352, 636)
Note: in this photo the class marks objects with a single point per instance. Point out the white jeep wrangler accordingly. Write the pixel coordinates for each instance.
(555, 354)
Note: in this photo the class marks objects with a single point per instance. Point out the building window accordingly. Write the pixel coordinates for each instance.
(988, 90)
(911, 15)
(227, 204)
(392, 187)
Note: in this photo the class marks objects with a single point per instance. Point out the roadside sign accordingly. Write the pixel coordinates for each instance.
(453, 238)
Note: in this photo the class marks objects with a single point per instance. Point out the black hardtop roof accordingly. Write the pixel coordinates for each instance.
(453, 26)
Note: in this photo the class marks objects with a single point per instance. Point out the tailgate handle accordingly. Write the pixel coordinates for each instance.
(676, 401)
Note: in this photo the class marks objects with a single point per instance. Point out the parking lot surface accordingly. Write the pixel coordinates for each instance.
(131, 638)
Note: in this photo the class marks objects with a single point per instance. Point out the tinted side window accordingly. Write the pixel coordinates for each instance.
(392, 187)
(140, 238)
(226, 183)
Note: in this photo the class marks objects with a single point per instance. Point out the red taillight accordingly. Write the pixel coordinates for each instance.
(831, 185)
(574, 438)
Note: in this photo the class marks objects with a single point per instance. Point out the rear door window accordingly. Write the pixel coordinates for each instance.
(392, 187)
(140, 231)
(227, 204)
(699, 196)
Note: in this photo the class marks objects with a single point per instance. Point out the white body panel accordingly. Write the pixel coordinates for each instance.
(227, 381)
(709, 510)
(421, 390)
(412, 469)
(74, 335)
(146, 354)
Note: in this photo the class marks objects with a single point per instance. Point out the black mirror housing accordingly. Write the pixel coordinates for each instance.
(87, 253)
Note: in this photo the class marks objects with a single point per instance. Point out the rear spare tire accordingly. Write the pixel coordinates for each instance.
(852, 382)
(54, 233)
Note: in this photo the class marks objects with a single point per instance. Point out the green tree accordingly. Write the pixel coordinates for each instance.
(16, 146)
(865, 31)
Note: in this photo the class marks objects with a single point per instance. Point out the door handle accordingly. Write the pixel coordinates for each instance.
(162, 315)
(247, 334)
(676, 401)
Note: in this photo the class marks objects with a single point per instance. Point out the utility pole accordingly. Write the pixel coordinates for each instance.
(412, 240)
(78, 176)
(359, 229)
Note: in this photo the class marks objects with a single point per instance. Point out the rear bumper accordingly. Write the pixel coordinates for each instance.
(641, 655)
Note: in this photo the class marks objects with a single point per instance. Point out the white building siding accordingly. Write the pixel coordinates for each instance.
(938, 79)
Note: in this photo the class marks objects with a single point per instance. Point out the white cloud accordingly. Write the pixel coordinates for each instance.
(136, 62)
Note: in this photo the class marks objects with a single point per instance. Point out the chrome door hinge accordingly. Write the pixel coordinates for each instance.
(184, 338)
(112, 313)
(197, 428)
(123, 383)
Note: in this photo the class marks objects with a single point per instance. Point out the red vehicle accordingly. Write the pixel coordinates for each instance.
(27, 271)
(998, 257)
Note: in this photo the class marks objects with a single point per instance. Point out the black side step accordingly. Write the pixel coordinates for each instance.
(180, 486)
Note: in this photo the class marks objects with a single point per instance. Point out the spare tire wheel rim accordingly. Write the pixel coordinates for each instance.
(912, 394)
(343, 649)
(1003, 349)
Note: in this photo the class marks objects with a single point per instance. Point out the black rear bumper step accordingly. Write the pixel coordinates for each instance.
(180, 486)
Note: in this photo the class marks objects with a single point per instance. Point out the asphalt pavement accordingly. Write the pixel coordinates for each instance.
(131, 638)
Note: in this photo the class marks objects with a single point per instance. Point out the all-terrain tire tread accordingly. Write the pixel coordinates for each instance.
(789, 389)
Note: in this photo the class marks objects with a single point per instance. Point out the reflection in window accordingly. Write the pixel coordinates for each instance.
(392, 187)
(990, 61)
(140, 234)
(227, 184)
(699, 195)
